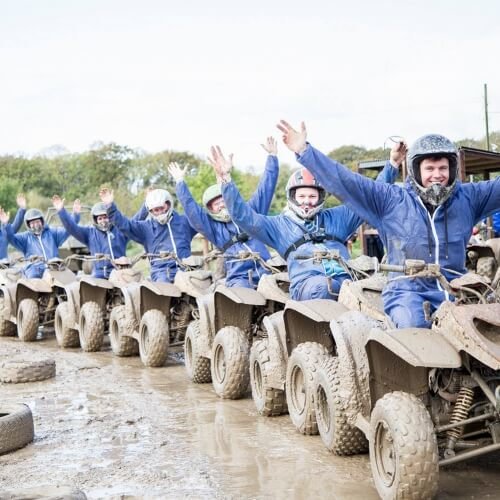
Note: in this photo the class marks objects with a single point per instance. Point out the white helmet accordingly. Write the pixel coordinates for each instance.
(157, 198)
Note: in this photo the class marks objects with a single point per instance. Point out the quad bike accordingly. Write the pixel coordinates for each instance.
(31, 303)
(418, 398)
(9, 271)
(484, 259)
(152, 317)
(82, 320)
(217, 346)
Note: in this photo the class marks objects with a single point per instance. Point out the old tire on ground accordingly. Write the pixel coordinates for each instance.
(300, 371)
(91, 329)
(269, 401)
(27, 320)
(330, 406)
(154, 338)
(486, 266)
(17, 370)
(16, 427)
(197, 367)
(121, 343)
(230, 363)
(7, 328)
(66, 336)
(403, 448)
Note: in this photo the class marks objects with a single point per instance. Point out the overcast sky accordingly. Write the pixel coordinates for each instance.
(187, 74)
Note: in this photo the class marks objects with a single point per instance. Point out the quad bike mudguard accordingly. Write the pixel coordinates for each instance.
(206, 309)
(9, 294)
(157, 295)
(309, 321)
(73, 299)
(269, 288)
(193, 283)
(274, 326)
(59, 278)
(94, 290)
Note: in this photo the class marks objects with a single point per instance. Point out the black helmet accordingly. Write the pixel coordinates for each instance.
(432, 146)
(33, 214)
(100, 209)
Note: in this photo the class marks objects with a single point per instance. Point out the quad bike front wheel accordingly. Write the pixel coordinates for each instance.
(300, 371)
(28, 320)
(403, 448)
(7, 328)
(154, 338)
(330, 405)
(269, 401)
(122, 344)
(197, 367)
(65, 335)
(230, 363)
(91, 327)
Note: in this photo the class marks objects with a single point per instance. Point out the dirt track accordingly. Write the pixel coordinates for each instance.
(115, 429)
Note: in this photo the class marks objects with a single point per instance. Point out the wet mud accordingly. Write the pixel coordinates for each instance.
(114, 429)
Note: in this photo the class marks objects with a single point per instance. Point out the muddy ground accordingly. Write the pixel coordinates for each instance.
(115, 429)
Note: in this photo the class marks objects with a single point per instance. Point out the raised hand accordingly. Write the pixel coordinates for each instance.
(106, 195)
(398, 153)
(271, 146)
(21, 201)
(294, 140)
(176, 171)
(4, 216)
(77, 206)
(221, 165)
(58, 202)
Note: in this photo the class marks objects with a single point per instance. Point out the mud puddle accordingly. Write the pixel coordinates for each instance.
(115, 429)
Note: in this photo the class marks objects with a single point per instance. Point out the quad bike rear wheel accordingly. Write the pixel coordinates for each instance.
(91, 327)
(7, 328)
(28, 320)
(66, 336)
(121, 344)
(269, 401)
(300, 371)
(197, 367)
(330, 405)
(230, 363)
(403, 448)
(154, 338)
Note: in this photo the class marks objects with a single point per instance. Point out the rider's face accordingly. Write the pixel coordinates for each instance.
(102, 219)
(160, 210)
(307, 197)
(36, 224)
(216, 205)
(435, 171)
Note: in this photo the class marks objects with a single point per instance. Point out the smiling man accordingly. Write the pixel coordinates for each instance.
(430, 218)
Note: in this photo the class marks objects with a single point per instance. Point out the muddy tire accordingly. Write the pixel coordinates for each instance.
(486, 266)
(91, 329)
(16, 427)
(269, 401)
(230, 363)
(19, 371)
(300, 372)
(121, 344)
(66, 336)
(27, 320)
(7, 328)
(403, 448)
(197, 367)
(154, 338)
(330, 407)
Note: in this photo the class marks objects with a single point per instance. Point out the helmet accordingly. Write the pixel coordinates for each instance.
(432, 146)
(33, 214)
(100, 209)
(210, 194)
(157, 198)
(303, 178)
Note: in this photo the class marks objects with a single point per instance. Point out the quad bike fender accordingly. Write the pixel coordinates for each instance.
(35, 285)
(234, 307)
(309, 321)
(156, 295)
(131, 298)
(193, 283)
(59, 278)
(9, 294)
(400, 360)
(206, 309)
(349, 333)
(274, 325)
(268, 287)
(73, 299)
(94, 290)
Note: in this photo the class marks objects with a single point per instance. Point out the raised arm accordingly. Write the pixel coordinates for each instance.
(141, 214)
(484, 197)
(18, 240)
(81, 233)
(19, 218)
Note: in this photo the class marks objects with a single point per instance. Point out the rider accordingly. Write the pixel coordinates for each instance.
(103, 237)
(216, 225)
(164, 231)
(40, 240)
(305, 226)
(18, 220)
(430, 218)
